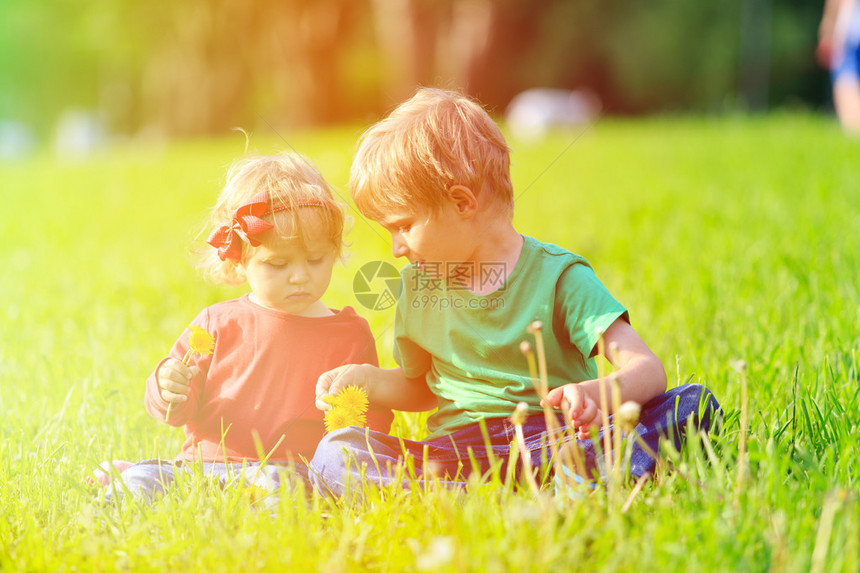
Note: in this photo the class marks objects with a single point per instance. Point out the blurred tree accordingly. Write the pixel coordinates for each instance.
(203, 66)
(427, 42)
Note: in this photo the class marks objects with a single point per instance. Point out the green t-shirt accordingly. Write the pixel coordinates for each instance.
(468, 346)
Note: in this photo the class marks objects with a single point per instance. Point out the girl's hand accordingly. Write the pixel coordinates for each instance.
(174, 380)
(330, 383)
(580, 407)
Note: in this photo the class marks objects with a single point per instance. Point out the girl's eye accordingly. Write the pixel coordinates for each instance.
(404, 228)
(315, 261)
(276, 264)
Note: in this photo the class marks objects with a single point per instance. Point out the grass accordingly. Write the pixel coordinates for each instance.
(728, 238)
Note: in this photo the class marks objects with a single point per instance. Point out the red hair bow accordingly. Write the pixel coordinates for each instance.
(246, 223)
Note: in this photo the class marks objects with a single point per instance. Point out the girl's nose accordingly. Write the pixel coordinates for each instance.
(299, 275)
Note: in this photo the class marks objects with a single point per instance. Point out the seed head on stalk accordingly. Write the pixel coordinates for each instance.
(536, 329)
(628, 415)
(741, 367)
(527, 351)
(517, 418)
(540, 380)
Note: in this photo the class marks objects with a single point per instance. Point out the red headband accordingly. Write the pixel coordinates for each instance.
(246, 223)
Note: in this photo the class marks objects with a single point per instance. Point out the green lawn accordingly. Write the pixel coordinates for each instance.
(728, 238)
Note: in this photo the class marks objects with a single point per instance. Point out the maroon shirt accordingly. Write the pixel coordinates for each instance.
(259, 382)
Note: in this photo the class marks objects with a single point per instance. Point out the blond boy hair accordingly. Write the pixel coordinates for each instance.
(433, 141)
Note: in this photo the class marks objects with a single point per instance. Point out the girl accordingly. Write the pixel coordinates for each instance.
(275, 226)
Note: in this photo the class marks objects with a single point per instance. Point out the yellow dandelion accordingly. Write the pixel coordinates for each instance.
(353, 399)
(337, 418)
(201, 341)
(254, 493)
(348, 408)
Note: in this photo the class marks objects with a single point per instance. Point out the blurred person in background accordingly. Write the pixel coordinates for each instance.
(839, 51)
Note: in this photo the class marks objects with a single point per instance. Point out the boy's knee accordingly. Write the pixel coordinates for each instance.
(697, 402)
(334, 449)
(333, 453)
(349, 438)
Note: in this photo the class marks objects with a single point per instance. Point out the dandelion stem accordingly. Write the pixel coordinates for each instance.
(527, 459)
(604, 406)
(573, 445)
(542, 388)
(187, 358)
(604, 420)
(636, 489)
(742, 369)
(642, 444)
(616, 430)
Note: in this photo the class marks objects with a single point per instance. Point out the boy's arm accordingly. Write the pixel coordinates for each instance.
(386, 388)
(640, 374)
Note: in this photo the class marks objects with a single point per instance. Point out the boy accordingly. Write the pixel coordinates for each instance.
(436, 175)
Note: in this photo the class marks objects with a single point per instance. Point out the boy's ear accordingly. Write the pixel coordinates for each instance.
(463, 199)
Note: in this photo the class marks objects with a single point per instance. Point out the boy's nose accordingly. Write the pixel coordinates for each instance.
(398, 246)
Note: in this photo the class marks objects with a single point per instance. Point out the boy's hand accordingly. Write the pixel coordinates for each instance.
(331, 382)
(174, 380)
(580, 407)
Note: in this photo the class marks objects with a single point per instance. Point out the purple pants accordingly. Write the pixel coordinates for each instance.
(343, 458)
(148, 479)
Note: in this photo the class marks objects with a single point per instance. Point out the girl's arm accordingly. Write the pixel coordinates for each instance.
(169, 386)
(388, 388)
(175, 385)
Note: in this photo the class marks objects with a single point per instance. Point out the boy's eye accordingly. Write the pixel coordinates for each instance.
(315, 260)
(404, 228)
(276, 264)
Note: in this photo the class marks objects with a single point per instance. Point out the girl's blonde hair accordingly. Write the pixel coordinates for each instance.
(290, 181)
(433, 141)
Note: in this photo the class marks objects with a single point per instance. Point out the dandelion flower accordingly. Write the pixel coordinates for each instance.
(348, 408)
(353, 399)
(337, 418)
(200, 341)
(254, 493)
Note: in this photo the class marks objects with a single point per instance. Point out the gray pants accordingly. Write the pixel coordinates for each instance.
(148, 479)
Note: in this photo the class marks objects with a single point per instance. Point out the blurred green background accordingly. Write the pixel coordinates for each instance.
(201, 67)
